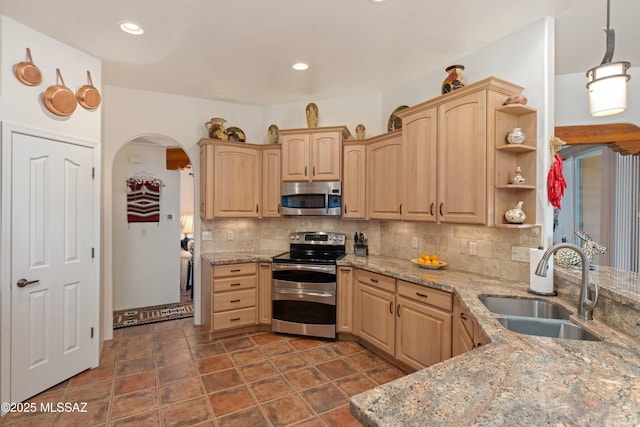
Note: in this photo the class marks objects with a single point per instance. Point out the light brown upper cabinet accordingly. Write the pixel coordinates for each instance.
(271, 181)
(461, 194)
(353, 180)
(312, 154)
(384, 154)
(448, 155)
(419, 142)
(231, 176)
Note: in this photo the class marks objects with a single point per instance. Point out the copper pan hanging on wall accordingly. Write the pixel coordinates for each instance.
(59, 99)
(88, 96)
(27, 72)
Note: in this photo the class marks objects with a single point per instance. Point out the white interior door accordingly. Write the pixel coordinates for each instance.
(51, 263)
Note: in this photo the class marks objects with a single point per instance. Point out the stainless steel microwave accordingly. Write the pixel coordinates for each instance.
(311, 198)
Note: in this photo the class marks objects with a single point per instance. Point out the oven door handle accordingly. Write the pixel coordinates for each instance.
(304, 292)
(304, 267)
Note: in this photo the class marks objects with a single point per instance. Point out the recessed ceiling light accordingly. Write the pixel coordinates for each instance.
(300, 66)
(377, 1)
(131, 28)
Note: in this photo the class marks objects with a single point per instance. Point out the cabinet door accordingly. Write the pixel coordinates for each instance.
(271, 183)
(376, 323)
(237, 182)
(383, 171)
(345, 300)
(461, 336)
(423, 334)
(354, 182)
(419, 141)
(462, 159)
(461, 342)
(295, 157)
(264, 294)
(206, 181)
(325, 157)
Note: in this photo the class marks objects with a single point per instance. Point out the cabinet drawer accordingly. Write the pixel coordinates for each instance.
(378, 280)
(234, 283)
(234, 270)
(434, 297)
(234, 318)
(233, 300)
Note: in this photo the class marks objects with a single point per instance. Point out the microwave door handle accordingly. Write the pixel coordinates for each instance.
(326, 202)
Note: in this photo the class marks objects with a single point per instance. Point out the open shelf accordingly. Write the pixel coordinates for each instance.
(510, 156)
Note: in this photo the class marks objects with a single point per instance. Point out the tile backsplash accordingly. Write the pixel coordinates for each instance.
(387, 238)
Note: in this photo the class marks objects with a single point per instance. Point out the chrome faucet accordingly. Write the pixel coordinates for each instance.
(585, 303)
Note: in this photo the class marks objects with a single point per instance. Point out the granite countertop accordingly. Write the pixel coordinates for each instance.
(516, 379)
(222, 258)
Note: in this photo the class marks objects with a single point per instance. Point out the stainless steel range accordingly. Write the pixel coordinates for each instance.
(304, 284)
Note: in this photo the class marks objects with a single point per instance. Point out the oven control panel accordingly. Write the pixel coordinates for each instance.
(318, 238)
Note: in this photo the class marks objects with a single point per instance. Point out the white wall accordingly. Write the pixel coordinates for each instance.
(187, 192)
(21, 106)
(146, 256)
(348, 111)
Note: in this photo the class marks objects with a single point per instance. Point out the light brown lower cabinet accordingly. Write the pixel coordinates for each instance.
(233, 296)
(264, 293)
(344, 302)
(466, 334)
(409, 322)
(375, 310)
(415, 325)
(423, 325)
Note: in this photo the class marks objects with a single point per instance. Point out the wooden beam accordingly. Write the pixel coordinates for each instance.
(177, 159)
(622, 137)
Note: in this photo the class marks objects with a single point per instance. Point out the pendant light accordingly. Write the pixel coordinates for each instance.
(608, 81)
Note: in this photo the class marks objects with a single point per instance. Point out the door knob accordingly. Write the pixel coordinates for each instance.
(24, 282)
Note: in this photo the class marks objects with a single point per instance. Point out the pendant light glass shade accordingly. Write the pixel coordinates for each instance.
(607, 84)
(608, 88)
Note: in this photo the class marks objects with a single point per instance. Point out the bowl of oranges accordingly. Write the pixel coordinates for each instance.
(429, 261)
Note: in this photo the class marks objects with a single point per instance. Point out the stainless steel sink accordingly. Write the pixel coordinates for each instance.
(529, 307)
(552, 328)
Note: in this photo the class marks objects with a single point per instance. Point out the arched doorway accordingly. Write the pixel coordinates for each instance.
(149, 199)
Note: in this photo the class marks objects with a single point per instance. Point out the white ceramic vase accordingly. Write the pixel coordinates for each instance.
(516, 136)
(516, 215)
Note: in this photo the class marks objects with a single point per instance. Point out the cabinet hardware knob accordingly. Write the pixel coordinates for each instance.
(314, 171)
(305, 171)
(398, 310)
(345, 208)
(257, 208)
(400, 208)
(278, 207)
(235, 319)
(235, 300)
(391, 307)
(234, 284)
(345, 270)
(422, 295)
(462, 316)
(374, 280)
(441, 208)
(431, 209)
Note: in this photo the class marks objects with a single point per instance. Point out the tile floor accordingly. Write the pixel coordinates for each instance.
(172, 374)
